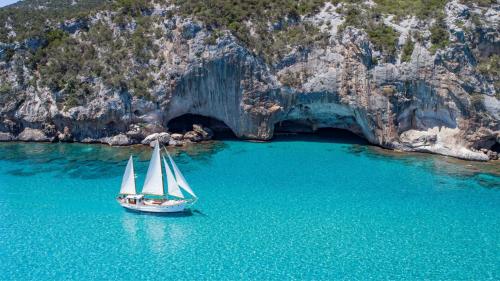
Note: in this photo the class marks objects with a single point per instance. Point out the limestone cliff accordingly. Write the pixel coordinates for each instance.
(435, 101)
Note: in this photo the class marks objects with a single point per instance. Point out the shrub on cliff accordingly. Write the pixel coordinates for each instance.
(423, 9)
(407, 50)
(384, 38)
(490, 66)
(477, 101)
(5, 88)
(237, 15)
(439, 34)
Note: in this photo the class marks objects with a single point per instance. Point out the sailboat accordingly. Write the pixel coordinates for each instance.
(153, 197)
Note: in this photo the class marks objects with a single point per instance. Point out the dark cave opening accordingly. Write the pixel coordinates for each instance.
(300, 130)
(496, 147)
(184, 123)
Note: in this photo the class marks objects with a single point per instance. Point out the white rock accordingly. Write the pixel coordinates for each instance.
(29, 134)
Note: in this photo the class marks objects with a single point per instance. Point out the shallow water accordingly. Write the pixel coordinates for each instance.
(290, 209)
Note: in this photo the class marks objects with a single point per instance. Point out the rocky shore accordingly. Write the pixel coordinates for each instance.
(197, 134)
(436, 101)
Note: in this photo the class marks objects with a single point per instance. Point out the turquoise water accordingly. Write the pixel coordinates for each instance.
(267, 211)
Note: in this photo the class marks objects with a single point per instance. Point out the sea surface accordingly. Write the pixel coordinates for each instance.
(296, 208)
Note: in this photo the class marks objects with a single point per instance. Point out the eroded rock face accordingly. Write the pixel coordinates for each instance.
(29, 134)
(6, 137)
(426, 104)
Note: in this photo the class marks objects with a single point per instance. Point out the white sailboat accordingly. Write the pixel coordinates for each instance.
(162, 202)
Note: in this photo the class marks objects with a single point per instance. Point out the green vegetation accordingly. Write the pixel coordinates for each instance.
(27, 20)
(63, 61)
(353, 16)
(407, 50)
(482, 3)
(212, 39)
(384, 38)
(477, 101)
(439, 35)
(239, 16)
(5, 88)
(133, 7)
(490, 66)
(291, 79)
(423, 9)
(8, 54)
(121, 59)
(281, 42)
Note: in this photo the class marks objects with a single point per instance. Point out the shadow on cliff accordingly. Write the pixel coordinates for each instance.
(327, 135)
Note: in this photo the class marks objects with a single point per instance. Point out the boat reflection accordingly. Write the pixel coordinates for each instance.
(155, 233)
(161, 235)
(129, 224)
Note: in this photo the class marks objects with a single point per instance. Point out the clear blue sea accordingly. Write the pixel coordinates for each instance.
(289, 209)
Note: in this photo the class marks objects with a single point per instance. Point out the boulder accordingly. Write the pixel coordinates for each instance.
(135, 133)
(206, 133)
(173, 142)
(6, 136)
(162, 137)
(150, 138)
(492, 155)
(177, 137)
(193, 136)
(29, 134)
(49, 129)
(117, 140)
(65, 136)
(88, 140)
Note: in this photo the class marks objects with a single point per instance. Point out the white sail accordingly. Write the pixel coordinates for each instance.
(154, 182)
(128, 180)
(181, 181)
(173, 188)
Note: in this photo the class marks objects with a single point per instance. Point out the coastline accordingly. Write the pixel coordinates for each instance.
(447, 164)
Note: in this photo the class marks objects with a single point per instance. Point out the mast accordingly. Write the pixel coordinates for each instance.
(181, 181)
(128, 180)
(153, 184)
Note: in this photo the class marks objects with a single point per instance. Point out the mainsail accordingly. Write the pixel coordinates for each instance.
(154, 182)
(128, 181)
(181, 181)
(173, 188)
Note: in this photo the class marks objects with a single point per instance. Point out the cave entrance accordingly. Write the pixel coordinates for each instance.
(303, 130)
(184, 123)
(495, 147)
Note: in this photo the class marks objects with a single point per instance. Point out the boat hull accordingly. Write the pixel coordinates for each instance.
(172, 208)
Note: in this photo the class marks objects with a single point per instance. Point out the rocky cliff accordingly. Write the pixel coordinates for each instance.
(124, 80)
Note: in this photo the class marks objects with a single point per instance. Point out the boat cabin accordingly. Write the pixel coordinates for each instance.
(134, 199)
